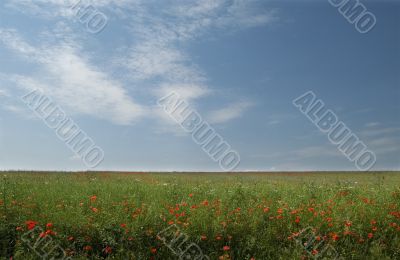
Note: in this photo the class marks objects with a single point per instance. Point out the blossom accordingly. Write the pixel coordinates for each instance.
(107, 250)
(93, 198)
(226, 248)
(30, 224)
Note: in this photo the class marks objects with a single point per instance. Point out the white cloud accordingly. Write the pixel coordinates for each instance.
(229, 113)
(70, 78)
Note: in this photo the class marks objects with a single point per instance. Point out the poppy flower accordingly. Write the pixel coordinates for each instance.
(49, 225)
(93, 198)
(30, 224)
(226, 248)
(108, 250)
(370, 235)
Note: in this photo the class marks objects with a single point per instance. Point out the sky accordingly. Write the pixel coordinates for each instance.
(239, 64)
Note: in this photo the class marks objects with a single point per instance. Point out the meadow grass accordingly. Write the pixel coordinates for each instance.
(229, 216)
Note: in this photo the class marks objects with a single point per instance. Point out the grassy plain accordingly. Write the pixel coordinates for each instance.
(229, 216)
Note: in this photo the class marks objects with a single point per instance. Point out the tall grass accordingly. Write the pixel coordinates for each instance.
(230, 216)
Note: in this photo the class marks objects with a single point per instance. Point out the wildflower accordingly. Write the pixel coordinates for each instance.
(191, 195)
(153, 250)
(203, 237)
(95, 210)
(123, 225)
(49, 225)
(297, 220)
(335, 237)
(87, 248)
(205, 203)
(347, 223)
(374, 228)
(30, 224)
(93, 198)
(266, 210)
(226, 248)
(370, 235)
(19, 229)
(107, 250)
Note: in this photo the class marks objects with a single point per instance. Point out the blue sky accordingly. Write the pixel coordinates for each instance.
(238, 63)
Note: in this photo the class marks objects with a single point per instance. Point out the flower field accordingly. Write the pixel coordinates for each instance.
(222, 216)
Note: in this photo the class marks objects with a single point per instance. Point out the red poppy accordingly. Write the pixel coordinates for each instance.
(226, 248)
(30, 224)
(93, 198)
(107, 250)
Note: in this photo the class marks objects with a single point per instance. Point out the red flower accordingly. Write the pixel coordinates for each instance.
(123, 225)
(205, 203)
(30, 224)
(370, 235)
(49, 225)
(93, 198)
(19, 228)
(347, 223)
(153, 250)
(107, 250)
(95, 210)
(203, 237)
(226, 248)
(297, 220)
(266, 210)
(87, 248)
(191, 195)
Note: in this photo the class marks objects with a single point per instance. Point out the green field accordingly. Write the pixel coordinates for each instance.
(228, 216)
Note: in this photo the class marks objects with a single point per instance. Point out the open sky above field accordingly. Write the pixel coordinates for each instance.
(238, 63)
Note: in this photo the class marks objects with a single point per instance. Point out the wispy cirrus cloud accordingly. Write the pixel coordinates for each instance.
(157, 60)
(71, 79)
(231, 112)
